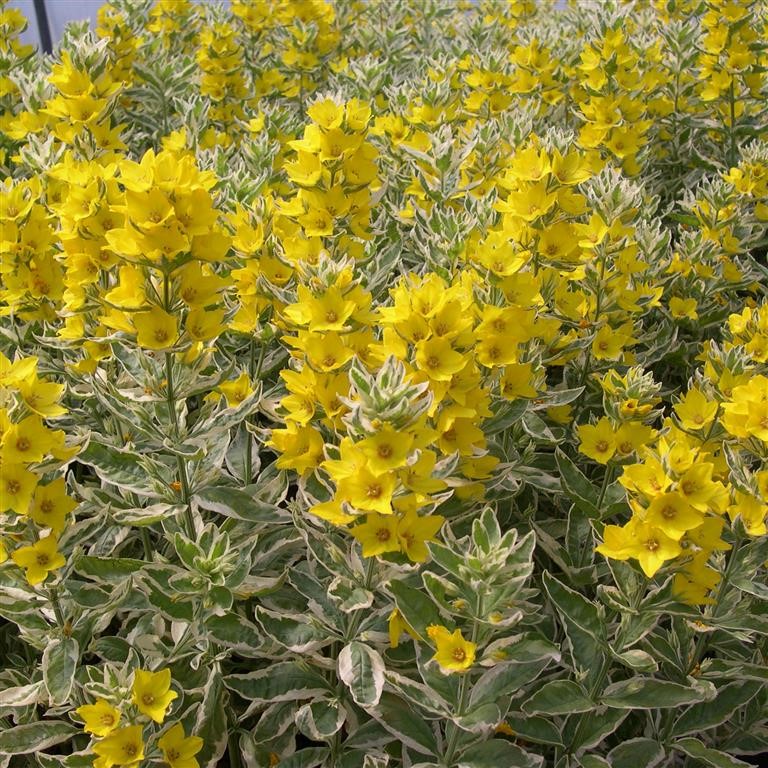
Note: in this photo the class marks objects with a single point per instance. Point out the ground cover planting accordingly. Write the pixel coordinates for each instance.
(385, 385)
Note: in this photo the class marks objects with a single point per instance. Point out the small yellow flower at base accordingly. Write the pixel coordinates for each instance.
(152, 694)
(39, 559)
(179, 750)
(121, 747)
(100, 718)
(453, 653)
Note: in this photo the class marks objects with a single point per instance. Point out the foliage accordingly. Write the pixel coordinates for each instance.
(385, 384)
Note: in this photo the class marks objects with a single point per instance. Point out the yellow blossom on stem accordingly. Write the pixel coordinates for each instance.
(179, 750)
(100, 718)
(39, 559)
(122, 747)
(152, 694)
(155, 329)
(453, 653)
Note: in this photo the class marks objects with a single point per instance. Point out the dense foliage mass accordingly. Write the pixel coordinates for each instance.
(385, 383)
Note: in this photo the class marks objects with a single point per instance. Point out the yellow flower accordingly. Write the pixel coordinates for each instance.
(156, 329)
(453, 653)
(698, 487)
(26, 442)
(696, 410)
(414, 531)
(17, 485)
(51, 505)
(42, 397)
(672, 514)
(378, 534)
(236, 390)
(369, 492)
(598, 441)
(204, 324)
(387, 449)
(398, 625)
(152, 693)
(122, 747)
(631, 436)
(683, 308)
(100, 718)
(301, 448)
(39, 559)
(438, 359)
(179, 750)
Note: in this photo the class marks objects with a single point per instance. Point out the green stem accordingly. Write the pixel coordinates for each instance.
(453, 737)
(605, 666)
(146, 543)
(180, 464)
(358, 616)
(254, 371)
(607, 479)
(732, 154)
(53, 596)
(703, 639)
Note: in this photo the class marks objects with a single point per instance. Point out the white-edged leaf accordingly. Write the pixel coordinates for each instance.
(361, 668)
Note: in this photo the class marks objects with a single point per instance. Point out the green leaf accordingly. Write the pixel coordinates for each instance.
(305, 758)
(23, 695)
(237, 633)
(558, 697)
(59, 666)
(710, 714)
(108, 569)
(212, 723)
(649, 693)
(287, 681)
(361, 668)
(505, 679)
(417, 609)
(637, 753)
(33, 737)
(239, 505)
(403, 723)
(537, 730)
(121, 468)
(597, 726)
(593, 761)
(481, 720)
(319, 720)
(695, 749)
(146, 515)
(582, 620)
(576, 485)
(505, 415)
(297, 636)
(496, 753)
